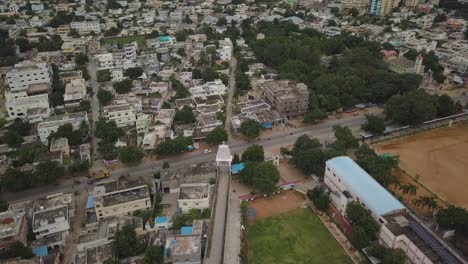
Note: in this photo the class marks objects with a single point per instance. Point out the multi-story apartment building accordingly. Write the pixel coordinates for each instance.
(124, 115)
(116, 198)
(34, 108)
(26, 73)
(104, 61)
(215, 87)
(51, 218)
(459, 64)
(51, 124)
(130, 50)
(13, 228)
(194, 196)
(289, 98)
(380, 7)
(75, 92)
(86, 26)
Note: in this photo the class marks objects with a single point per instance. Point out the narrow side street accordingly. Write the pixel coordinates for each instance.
(231, 89)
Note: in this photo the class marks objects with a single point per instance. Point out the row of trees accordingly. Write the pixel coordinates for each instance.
(173, 146)
(379, 167)
(46, 172)
(365, 228)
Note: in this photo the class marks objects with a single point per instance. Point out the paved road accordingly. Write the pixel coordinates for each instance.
(231, 89)
(217, 235)
(321, 131)
(232, 245)
(92, 69)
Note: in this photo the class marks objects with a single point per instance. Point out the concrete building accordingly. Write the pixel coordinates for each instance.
(215, 87)
(60, 145)
(51, 124)
(225, 51)
(173, 178)
(34, 108)
(86, 26)
(380, 7)
(405, 231)
(104, 61)
(75, 92)
(459, 64)
(51, 218)
(116, 198)
(194, 196)
(165, 116)
(26, 73)
(348, 182)
(130, 50)
(13, 228)
(402, 65)
(183, 249)
(124, 115)
(290, 99)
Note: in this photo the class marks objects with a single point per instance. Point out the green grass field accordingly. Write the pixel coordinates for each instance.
(124, 40)
(294, 237)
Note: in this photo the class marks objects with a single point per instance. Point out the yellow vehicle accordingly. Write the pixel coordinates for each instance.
(101, 174)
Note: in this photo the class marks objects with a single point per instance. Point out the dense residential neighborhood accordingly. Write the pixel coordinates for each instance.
(233, 131)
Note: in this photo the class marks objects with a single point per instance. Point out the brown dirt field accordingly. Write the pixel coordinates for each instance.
(278, 204)
(437, 158)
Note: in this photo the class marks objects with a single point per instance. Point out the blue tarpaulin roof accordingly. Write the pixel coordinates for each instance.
(160, 220)
(41, 251)
(369, 191)
(267, 125)
(164, 38)
(236, 168)
(90, 202)
(186, 230)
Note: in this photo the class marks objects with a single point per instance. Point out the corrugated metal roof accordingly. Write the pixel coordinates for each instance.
(41, 251)
(376, 197)
(90, 202)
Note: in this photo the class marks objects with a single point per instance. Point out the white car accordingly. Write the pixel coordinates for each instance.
(207, 151)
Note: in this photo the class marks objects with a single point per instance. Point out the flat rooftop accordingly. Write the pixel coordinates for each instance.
(118, 192)
(194, 191)
(50, 217)
(118, 108)
(184, 245)
(403, 223)
(184, 171)
(78, 116)
(10, 223)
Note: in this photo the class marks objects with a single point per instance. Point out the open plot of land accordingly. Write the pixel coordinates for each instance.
(294, 237)
(437, 158)
(280, 203)
(124, 40)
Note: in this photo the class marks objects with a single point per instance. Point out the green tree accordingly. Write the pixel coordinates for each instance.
(184, 116)
(374, 125)
(3, 205)
(103, 75)
(173, 146)
(125, 243)
(217, 136)
(251, 128)
(180, 35)
(314, 115)
(320, 198)
(379, 167)
(81, 59)
(429, 202)
(413, 108)
(364, 226)
(221, 21)
(452, 217)
(124, 86)
(209, 75)
(133, 73)
(446, 106)
(344, 138)
(131, 155)
(153, 255)
(262, 176)
(254, 153)
(166, 165)
(104, 96)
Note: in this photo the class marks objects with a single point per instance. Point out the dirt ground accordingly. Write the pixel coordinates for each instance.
(437, 158)
(280, 203)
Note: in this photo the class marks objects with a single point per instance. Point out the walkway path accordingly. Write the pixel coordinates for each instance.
(215, 255)
(233, 230)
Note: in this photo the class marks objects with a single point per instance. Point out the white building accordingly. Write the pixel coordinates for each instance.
(75, 92)
(130, 50)
(348, 182)
(194, 196)
(116, 198)
(26, 73)
(215, 87)
(104, 61)
(34, 108)
(51, 124)
(124, 115)
(225, 51)
(86, 26)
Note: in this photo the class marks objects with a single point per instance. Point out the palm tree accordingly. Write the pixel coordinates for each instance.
(408, 189)
(426, 201)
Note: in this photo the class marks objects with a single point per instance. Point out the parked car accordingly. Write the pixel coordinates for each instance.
(207, 151)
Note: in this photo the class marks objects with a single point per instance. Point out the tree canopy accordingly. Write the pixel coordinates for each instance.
(320, 198)
(184, 116)
(374, 125)
(124, 86)
(262, 176)
(379, 167)
(364, 226)
(251, 128)
(254, 153)
(131, 155)
(217, 136)
(174, 146)
(126, 243)
(103, 75)
(133, 73)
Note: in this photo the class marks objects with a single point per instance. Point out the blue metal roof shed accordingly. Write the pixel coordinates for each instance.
(90, 202)
(376, 197)
(160, 220)
(41, 251)
(186, 230)
(236, 168)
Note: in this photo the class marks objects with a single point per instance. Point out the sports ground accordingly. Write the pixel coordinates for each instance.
(437, 158)
(292, 235)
